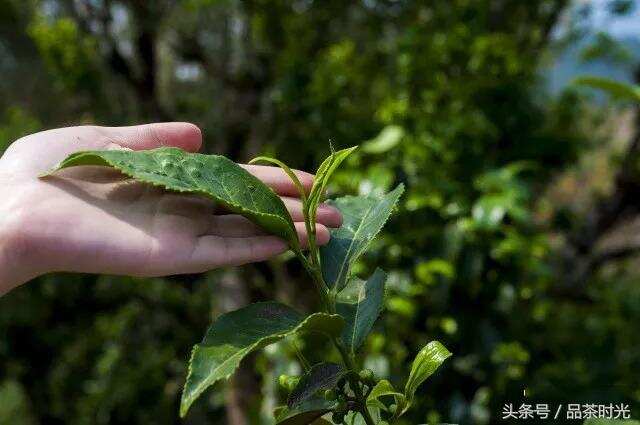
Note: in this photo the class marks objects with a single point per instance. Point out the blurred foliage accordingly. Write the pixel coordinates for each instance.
(445, 97)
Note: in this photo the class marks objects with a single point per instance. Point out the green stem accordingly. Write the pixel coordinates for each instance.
(328, 301)
(355, 385)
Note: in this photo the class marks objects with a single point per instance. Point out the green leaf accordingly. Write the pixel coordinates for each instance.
(388, 138)
(361, 315)
(234, 335)
(355, 418)
(287, 170)
(363, 217)
(322, 376)
(323, 174)
(424, 365)
(384, 388)
(613, 88)
(213, 176)
(307, 412)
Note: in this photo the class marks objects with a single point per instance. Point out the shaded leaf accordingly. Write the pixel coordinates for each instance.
(322, 376)
(213, 176)
(360, 316)
(307, 412)
(363, 217)
(613, 88)
(234, 335)
(424, 365)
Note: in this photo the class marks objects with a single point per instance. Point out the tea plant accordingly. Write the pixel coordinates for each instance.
(343, 392)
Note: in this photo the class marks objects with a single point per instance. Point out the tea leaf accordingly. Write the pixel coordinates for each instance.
(424, 365)
(234, 335)
(384, 388)
(322, 376)
(360, 316)
(323, 174)
(308, 412)
(363, 217)
(388, 139)
(613, 88)
(287, 170)
(213, 176)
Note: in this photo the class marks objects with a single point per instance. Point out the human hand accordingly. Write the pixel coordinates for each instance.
(94, 220)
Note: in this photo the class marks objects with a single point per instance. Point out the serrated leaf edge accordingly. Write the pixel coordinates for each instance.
(351, 344)
(364, 248)
(185, 405)
(238, 208)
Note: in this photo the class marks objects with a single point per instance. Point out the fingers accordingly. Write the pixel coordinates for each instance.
(278, 180)
(235, 226)
(322, 235)
(149, 136)
(214, 251)
(218, 251)
(327, 215)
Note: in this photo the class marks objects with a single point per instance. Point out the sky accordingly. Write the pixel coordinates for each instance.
(627, 26)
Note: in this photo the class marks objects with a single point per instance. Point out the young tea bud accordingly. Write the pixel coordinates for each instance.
(330, 395)
(367, 376)
(288, 382)
(282, 380)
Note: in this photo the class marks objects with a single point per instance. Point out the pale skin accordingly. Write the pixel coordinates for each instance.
(94, 220)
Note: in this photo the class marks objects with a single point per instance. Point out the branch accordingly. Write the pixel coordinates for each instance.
(614, 254)
(580, 259)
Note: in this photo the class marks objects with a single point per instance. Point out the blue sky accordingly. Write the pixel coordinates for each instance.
(617, 26)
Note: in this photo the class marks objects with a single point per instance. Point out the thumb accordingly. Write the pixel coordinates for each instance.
(182, 135)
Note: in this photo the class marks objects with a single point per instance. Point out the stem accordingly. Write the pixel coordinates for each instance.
(328, 301)
(355, 385)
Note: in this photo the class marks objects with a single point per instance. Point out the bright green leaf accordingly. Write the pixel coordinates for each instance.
(323, 174)
(388, 138)
(384, 388)
(363, 217)
(287, 170)
(424, 365)
(355, 418)
(613, 88)
(322, 376)
(307, 412)
(234, 335)
(361, 315)
(213, 176)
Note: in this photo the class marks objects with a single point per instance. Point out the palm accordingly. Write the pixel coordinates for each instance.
(91, 219)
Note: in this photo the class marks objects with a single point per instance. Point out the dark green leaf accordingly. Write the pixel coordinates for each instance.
(213, 176)
(424, 365)
(363, 217)
(361, 315)
(234, 335)
(322, 376)
(305, 413)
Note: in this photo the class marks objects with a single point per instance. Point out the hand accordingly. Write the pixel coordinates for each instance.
(92, 220)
